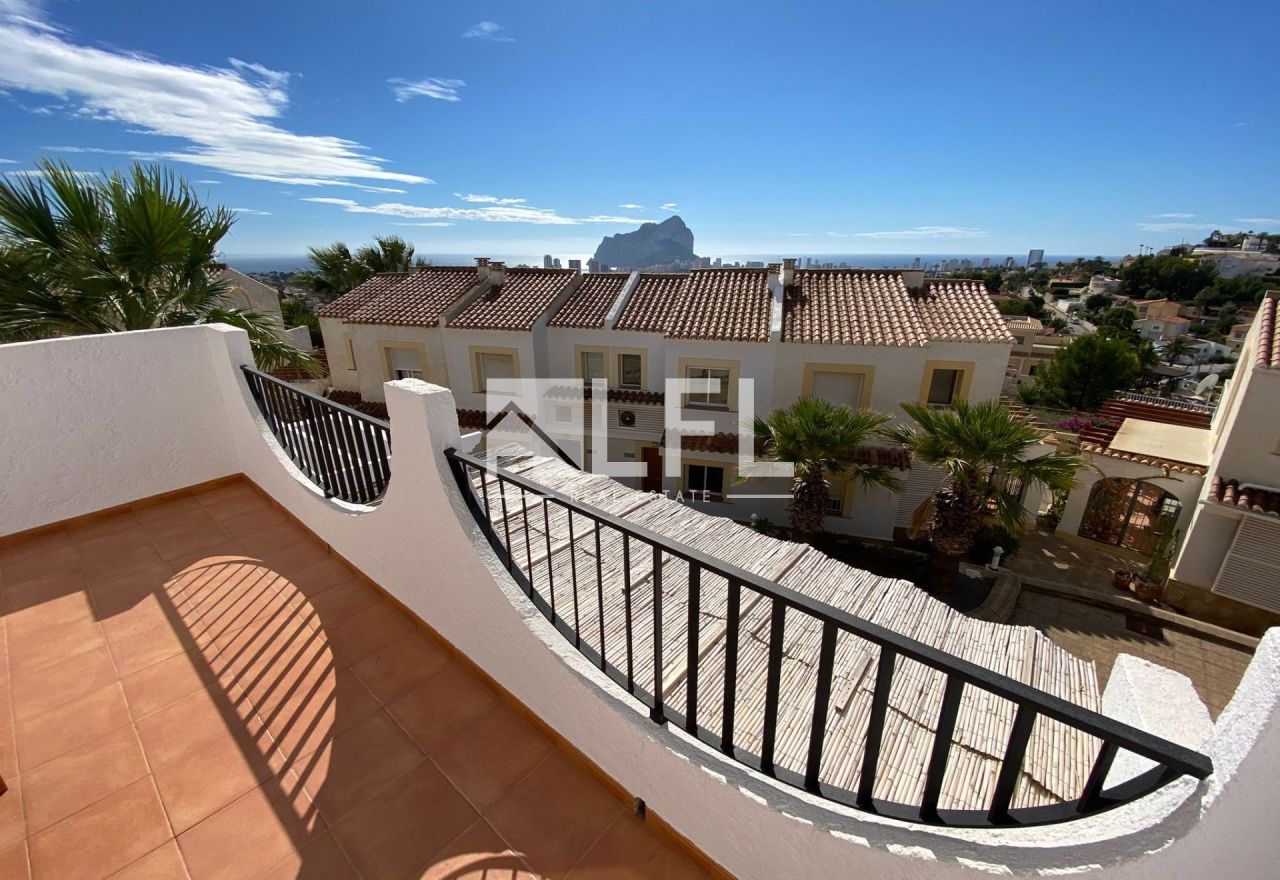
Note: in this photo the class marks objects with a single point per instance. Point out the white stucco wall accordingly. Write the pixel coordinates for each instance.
(422, 545)
(458, 344)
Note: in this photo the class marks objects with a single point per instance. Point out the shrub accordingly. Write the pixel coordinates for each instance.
(991, 535)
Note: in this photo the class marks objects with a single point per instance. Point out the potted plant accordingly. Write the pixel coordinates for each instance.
(1121, 578)
(1149, 585)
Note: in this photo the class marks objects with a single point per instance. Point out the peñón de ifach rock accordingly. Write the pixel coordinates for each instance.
(668, 244)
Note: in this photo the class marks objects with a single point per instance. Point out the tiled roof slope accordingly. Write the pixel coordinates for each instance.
(590, 303)
(524, 295)
(1268, 332)
(960, 310)
(1228, 492)
(847, 307)
(730, 304)
(419, 298)
(651, 303)
(345, 305)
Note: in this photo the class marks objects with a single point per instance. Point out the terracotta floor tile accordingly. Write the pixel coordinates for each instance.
(274, 659)
(400, 828)
(222, 550)
(8, 752)
(321, 859)
(554, 815)
(317, 577)
(132, 604)
(442, 704)
(362, 634)
(70, 607)
(70, 726)
(335, 604)
(242, 604)
(32, 652)
(317, 710)
(59, 557)
(179, 544)
(273, 540)
(36, 546)
(263, 830)
(256, 521)
(356, 764)
(14, 864)
(6, 703)
(78, 779)
(293, 561)
(62, 683)
(631, 850)
(194, 722)
(238, 500)
(207, 778)
(163, 683)
(48, 586)
(490, 754)
(476, 854)
(102, 838)
(103, 559)
(148, 647)
(156, 515)
(13, 823)
(123, 524)
(162, 863)
(399, 666)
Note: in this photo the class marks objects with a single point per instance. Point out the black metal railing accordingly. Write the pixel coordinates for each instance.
(527, 508)
(344, 452)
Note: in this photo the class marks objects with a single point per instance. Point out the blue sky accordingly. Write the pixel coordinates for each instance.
(906, 127)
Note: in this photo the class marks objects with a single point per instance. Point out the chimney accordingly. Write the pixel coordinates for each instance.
(497, 272)
(913, 279)
(481, 262)
(774, 271)
(788, 271)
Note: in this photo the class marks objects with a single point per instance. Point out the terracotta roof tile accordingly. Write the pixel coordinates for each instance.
(1154, 461)
(419, 298)
(850, 307)
(723, 304)
(960, 310)
(649, 308)
(1228, 492)
(524, 295)
(590, 303)
(1268, 331)
(353, 299)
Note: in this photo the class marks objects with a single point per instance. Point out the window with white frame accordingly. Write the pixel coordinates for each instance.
(492, 365)
(591, 365)
(705, 478)
(630, 370)
(711, 386)
(840, 388)
(405, 363)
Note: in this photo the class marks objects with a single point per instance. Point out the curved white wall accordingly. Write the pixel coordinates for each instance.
(422, 546)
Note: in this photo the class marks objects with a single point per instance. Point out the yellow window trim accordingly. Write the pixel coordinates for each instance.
(965, 368)
(730, 476)
(866, 371)
(384, 355)
(473, 357)
(712, 364)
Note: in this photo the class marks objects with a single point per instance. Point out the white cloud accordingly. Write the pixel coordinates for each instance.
(211, 182)
(225, 115)
(429, 223)
(487, 30)
(1178, 227)
(8, 161)
(487, 200)
(432, 87)
(919, 232)
(36, 172)
(799, 234)
(669, 206)
(1173, 215)
(253, 211)
(630, 206)
(489, 213)
(1260, 221)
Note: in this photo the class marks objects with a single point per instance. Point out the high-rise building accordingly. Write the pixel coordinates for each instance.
(1035, 258)
(555, 264)
(593, 265)
(1009, 262)
(546, 261)
(576, 265)
(986, 262)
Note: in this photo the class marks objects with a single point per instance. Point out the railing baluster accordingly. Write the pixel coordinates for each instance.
(382, 437)
(942, 740)
(875, 727)
(691, 661)
(626, 590)
(573, 579)
(551, 579)
(506, 522)
(600, 592)
(322, 444)
(350, 461)
(360, 460)
(821, 703)
(1011, 765)
(773, 686)
(1091, 796)
(733, 610)
(658, 713)
(303, 451)
(528, 543)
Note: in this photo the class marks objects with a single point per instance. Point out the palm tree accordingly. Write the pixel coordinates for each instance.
(819, 438)
(335, 269)
(1175, 348)
(981, 448)
(101, 254)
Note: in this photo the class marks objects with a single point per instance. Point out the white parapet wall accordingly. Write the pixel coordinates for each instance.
(422, 545)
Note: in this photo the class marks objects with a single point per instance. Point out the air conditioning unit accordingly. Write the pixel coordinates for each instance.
(627, 418)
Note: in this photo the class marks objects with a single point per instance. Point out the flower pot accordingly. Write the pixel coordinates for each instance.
(1121, 579)
(1147, 591)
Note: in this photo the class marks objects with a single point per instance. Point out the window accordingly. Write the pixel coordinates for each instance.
(705, 478)
(714, 391)
(404, 363)
(630, 370)
(351, 353)
(591, 365)
(835, 505)
(839, 388)
(493, 365)
(942, 387)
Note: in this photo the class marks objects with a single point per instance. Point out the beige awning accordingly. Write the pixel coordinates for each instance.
(1158, 440)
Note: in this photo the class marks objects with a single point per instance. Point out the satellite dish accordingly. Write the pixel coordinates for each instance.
(1205, 384)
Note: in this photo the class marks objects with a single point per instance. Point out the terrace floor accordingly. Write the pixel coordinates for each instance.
(199, 689)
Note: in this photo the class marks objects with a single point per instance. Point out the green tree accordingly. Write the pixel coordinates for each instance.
(819, 438)
(982, 448)
(100, 254)
(1086, 372)
(1175, 348)
(1153, 276)
(1096, 302)
(335, 269)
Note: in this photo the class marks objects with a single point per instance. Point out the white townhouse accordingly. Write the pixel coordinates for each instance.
(250, 294)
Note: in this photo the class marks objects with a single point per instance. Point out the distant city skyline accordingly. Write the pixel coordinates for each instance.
(508, 130)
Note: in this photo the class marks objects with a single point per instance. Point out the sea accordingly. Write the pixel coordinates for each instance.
(294, 262)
